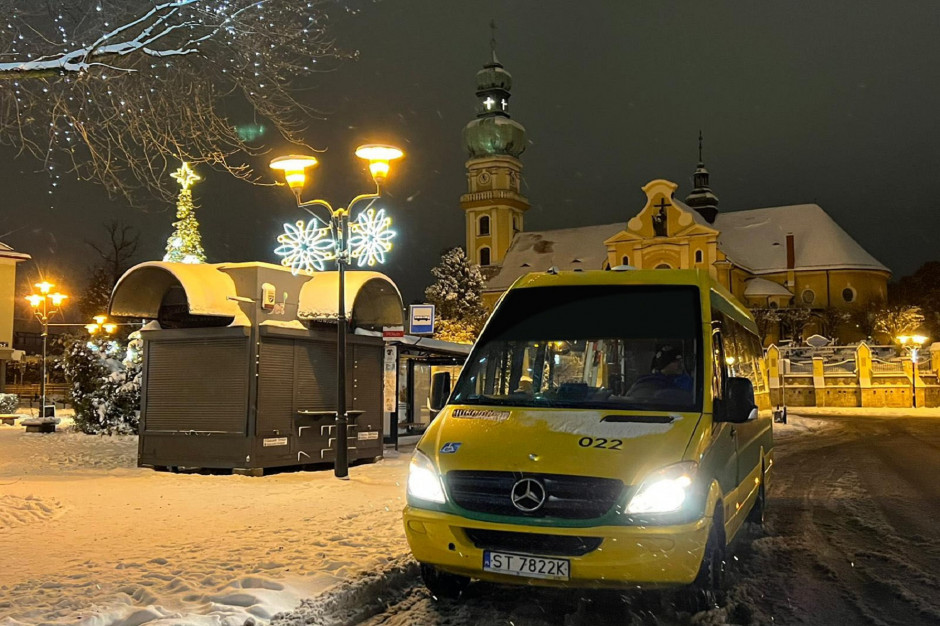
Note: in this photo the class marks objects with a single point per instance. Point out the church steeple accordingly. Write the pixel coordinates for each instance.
(493, 204)
(702, 198)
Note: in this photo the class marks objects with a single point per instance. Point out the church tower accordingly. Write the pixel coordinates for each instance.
(702, 198)
(493, 204)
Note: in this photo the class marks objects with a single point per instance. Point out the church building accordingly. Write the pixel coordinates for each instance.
(774, 258)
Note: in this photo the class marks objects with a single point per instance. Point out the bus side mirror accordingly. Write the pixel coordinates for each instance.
(440, 390)
(739, 403)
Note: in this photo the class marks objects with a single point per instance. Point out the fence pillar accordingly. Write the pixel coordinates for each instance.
(819, 381)
(863, 365)
(773, 381)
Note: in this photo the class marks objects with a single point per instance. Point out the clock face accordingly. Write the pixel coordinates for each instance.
(483, 178)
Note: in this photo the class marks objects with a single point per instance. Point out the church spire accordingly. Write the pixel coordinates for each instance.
(702, 199)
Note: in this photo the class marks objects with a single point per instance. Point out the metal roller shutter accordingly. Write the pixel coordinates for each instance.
(275, 387)
(197, 385)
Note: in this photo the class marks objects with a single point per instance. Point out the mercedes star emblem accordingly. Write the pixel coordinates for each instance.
(528, 495)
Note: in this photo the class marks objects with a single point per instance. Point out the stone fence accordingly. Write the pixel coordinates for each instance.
(862, 381)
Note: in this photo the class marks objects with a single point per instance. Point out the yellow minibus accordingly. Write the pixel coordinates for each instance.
(609, 429)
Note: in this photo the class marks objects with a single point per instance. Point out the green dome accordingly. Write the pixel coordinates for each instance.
(493, 76)
(489, 136)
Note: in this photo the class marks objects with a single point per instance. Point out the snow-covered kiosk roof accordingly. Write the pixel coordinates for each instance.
(6, 252)
(140, 291)
(233, 294)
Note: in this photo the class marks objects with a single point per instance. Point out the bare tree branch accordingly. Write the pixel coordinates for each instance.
(117, 91)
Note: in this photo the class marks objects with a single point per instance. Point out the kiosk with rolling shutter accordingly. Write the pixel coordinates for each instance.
(240, 363)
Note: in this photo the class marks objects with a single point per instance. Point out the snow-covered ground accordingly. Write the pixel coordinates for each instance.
(88, 538)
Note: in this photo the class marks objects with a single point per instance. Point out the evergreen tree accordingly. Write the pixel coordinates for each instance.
(84, 372)
(457, 297)
(185, 244)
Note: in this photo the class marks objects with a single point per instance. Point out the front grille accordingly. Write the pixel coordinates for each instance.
(567, 497)
(532, 543)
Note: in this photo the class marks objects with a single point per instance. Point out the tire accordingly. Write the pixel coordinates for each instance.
(758, 512)
(707, 589)
(442, 585)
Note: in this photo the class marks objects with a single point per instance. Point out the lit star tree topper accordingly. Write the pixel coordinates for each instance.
(185, 244)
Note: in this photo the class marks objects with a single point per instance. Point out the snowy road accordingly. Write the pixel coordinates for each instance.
(853, 539)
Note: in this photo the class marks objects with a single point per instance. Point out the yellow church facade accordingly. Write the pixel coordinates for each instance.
(781, 257)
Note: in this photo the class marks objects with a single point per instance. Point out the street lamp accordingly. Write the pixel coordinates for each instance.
(913, 344)
(41, 308)
(101, 324)
(307, 246)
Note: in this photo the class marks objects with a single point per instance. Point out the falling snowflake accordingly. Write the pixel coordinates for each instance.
(371, 237)
(305, 247)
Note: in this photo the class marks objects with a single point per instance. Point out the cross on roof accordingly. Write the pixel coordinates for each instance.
(488, 103)
(662, 204)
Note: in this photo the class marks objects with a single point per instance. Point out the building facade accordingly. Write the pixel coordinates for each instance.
(8, 260)
(779, 258)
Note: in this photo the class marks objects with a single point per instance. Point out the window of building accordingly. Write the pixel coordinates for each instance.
(664, 266)
(484, 256)
(809, 296)
(848, 294)
(625, 260)
(484, 225)
(516, 224)
(699, 257)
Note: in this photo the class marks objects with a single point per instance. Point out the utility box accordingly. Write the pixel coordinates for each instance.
(233, 382)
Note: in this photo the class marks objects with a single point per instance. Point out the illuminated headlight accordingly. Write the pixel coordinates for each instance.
(424, 483)
(665, 490)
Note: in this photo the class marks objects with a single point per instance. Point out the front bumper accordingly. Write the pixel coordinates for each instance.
(651, 556)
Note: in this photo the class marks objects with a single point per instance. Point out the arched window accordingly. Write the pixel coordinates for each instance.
(484, 256)
(699, 257)
(664, 266)
(484, 225)
(848, 294)
(625, 260)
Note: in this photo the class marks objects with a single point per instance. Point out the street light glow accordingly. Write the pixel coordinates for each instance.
(378, 157)
(294, 167)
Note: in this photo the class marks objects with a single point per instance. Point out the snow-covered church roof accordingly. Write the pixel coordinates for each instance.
(567, 249)
(756, 240)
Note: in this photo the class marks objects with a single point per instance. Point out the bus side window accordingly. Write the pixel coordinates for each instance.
(718, 366)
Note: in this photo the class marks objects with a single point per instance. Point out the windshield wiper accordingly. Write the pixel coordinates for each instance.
(639, 419)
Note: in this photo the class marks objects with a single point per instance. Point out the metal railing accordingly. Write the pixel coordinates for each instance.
(842, 367)
(887, 367)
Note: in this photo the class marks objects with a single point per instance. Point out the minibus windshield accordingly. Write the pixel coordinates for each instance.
(598, 346)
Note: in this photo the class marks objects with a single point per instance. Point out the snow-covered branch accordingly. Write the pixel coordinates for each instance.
(121, 89)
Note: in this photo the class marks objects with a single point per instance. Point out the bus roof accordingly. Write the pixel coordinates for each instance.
(699, 278)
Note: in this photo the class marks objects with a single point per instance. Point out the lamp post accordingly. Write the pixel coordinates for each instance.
(913, 344)
(101, 324)
(40, 303)
(336, 247)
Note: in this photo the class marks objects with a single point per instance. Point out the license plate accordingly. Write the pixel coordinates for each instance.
(525, 565)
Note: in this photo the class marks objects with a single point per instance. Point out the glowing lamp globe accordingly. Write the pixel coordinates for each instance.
(294, 167)
(378, 157)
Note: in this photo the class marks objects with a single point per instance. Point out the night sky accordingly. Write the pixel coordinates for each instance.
(834, 102)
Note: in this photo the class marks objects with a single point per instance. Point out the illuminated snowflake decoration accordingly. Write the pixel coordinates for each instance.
(370, 237)
(305, 247)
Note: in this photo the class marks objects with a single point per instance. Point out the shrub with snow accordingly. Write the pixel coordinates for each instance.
(104, 384)
(9, 402)
(457, 297)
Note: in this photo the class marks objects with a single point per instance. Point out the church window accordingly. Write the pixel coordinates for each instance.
(809, 296)
(515, 224)
(664, 266)
(484, 225)
(848, 294)
(699, 257)
(484, 256)
(625, 260)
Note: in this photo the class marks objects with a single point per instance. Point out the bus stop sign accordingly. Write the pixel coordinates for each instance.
(422, 319)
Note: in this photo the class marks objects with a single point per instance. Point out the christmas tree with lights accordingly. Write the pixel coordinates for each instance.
(185, 244)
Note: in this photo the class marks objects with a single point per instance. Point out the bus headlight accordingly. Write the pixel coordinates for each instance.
(424, 483)
(665, 490)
